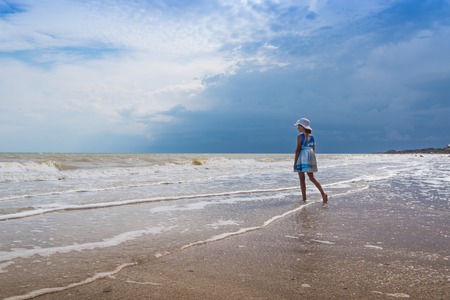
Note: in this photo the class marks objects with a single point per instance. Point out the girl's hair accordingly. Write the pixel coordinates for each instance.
(309, 131)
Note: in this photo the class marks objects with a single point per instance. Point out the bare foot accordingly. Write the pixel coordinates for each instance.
(325, 198)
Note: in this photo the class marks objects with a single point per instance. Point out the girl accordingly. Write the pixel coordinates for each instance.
(305, 158)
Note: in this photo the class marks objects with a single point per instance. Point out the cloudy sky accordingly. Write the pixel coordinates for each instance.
(223, 75)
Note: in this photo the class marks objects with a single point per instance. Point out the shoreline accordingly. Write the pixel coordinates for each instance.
(420, 151)
(350, 249)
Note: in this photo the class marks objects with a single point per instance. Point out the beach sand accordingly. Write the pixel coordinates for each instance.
(347, 250)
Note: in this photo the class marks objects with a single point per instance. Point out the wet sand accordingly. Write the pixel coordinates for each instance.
(347, 250)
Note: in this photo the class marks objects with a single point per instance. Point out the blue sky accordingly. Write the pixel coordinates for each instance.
(223, 76)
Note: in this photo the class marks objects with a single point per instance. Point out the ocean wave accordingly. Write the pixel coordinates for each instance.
(32, 170)
(50, 208)
(88, 190)
(50, 167)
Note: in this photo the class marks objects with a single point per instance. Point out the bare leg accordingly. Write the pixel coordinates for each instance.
(319, 187)
(301, 175)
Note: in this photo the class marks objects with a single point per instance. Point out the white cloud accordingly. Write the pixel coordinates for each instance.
(143, 86)
(160, 66)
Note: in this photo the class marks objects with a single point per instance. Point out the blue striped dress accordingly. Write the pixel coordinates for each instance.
(307, 159)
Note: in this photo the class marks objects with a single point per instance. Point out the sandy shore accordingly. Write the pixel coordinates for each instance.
(348, 250)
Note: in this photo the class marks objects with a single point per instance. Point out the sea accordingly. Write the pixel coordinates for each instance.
(70, 219)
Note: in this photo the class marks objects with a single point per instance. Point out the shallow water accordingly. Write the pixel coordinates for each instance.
(66, 217)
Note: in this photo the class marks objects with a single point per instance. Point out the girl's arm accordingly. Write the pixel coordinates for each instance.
(297, 150)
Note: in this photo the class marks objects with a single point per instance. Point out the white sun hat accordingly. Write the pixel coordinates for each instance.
(304, 122)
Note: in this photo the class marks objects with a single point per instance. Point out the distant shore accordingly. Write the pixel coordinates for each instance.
(421, 151)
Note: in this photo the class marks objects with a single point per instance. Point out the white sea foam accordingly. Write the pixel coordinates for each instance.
(5, 265)
(109, 242)
(291, 237)
(220, 223)
(323, 242)
(398, 295)
(373, 247)
(45, 291)
(247, 229)
(61, 207)
(144, 283)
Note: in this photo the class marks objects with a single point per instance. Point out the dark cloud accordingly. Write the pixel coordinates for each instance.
(351, 110)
